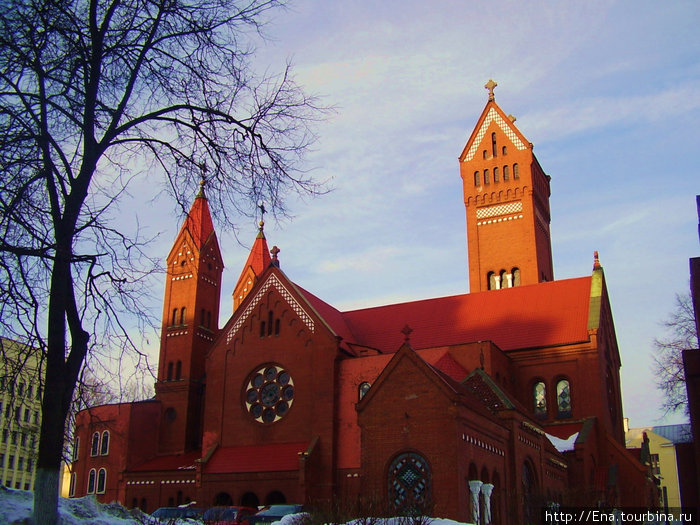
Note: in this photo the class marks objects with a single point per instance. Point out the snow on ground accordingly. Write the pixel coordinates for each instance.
(16, 506)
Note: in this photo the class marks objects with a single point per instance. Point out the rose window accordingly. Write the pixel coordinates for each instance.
(269, 394)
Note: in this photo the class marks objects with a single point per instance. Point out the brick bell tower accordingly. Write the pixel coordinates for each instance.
(190, 325)
(506, 194)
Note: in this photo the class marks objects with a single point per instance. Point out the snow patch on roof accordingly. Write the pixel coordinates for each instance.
(563, 445)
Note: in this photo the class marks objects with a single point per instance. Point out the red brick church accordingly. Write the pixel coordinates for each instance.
(452, 403)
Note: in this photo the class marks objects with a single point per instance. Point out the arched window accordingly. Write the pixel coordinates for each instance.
(516, 171)
(71, 490)
(76, 450)
(263, 329)
(487, 179)
(516, 276)
(364, 388)
(494, 148)
(182, 315)
(477, 179)
(491, 279)
(529, 489)
(506, 172)
(91, 482)
(505, 281)
(250, 499)
(201, 317)
(104, 446)
(409, 483)
(101, 481)
(275, 498)
(277, 327)
(485, 154)
(504, 150)
(539, 394)
(95, 445)
(563, 399)
(223, 499)
(170, 371)
(178, 370)
(495, 175)
(174, 317)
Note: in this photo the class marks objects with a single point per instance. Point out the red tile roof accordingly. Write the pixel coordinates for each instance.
(545, 314)
(173, 462)
(449, 366)
(481, 385)
(198, 221)
(256, 458)
(258, 258)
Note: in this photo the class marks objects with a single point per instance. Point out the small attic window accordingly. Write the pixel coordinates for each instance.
(516, 171)
(506, 172)
(477, 179)
(495, 175)
(485, 154)
(504, 150)
(363, 389)
(494, 148)
(487, 178)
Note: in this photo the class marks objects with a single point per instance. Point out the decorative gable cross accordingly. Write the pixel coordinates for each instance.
(491, 85)
(406, 331)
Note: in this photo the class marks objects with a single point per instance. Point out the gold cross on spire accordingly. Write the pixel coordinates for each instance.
(261, 207)
(490, 85)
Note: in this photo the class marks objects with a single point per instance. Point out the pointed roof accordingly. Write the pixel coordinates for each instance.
(198, 221)
(258, 261)
(259, 257)
(483, 387)
(493, 113)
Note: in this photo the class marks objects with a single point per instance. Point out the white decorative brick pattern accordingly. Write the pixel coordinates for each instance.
(499, 209)
(271, 282)
(490, 117)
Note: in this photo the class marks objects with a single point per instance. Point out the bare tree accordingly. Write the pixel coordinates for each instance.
(668, 354)
(95, 93)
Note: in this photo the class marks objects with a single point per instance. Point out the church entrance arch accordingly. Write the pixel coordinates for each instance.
(275, 498)
(223, 499)
(250, 499)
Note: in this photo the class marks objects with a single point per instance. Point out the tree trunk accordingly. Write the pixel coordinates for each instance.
(46, 496)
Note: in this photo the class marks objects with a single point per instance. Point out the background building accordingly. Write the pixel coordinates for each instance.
(671, 461)
(20, 414)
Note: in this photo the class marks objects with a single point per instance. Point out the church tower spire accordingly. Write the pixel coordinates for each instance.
(258, 261)
(190, 325)
(506, 195)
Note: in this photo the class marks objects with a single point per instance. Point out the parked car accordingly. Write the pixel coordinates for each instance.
(272, 513)
(166, 514)
(227, 515)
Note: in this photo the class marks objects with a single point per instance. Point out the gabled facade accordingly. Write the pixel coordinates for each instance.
(448, 405)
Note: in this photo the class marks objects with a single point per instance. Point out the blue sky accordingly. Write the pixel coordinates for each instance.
(608, 92)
